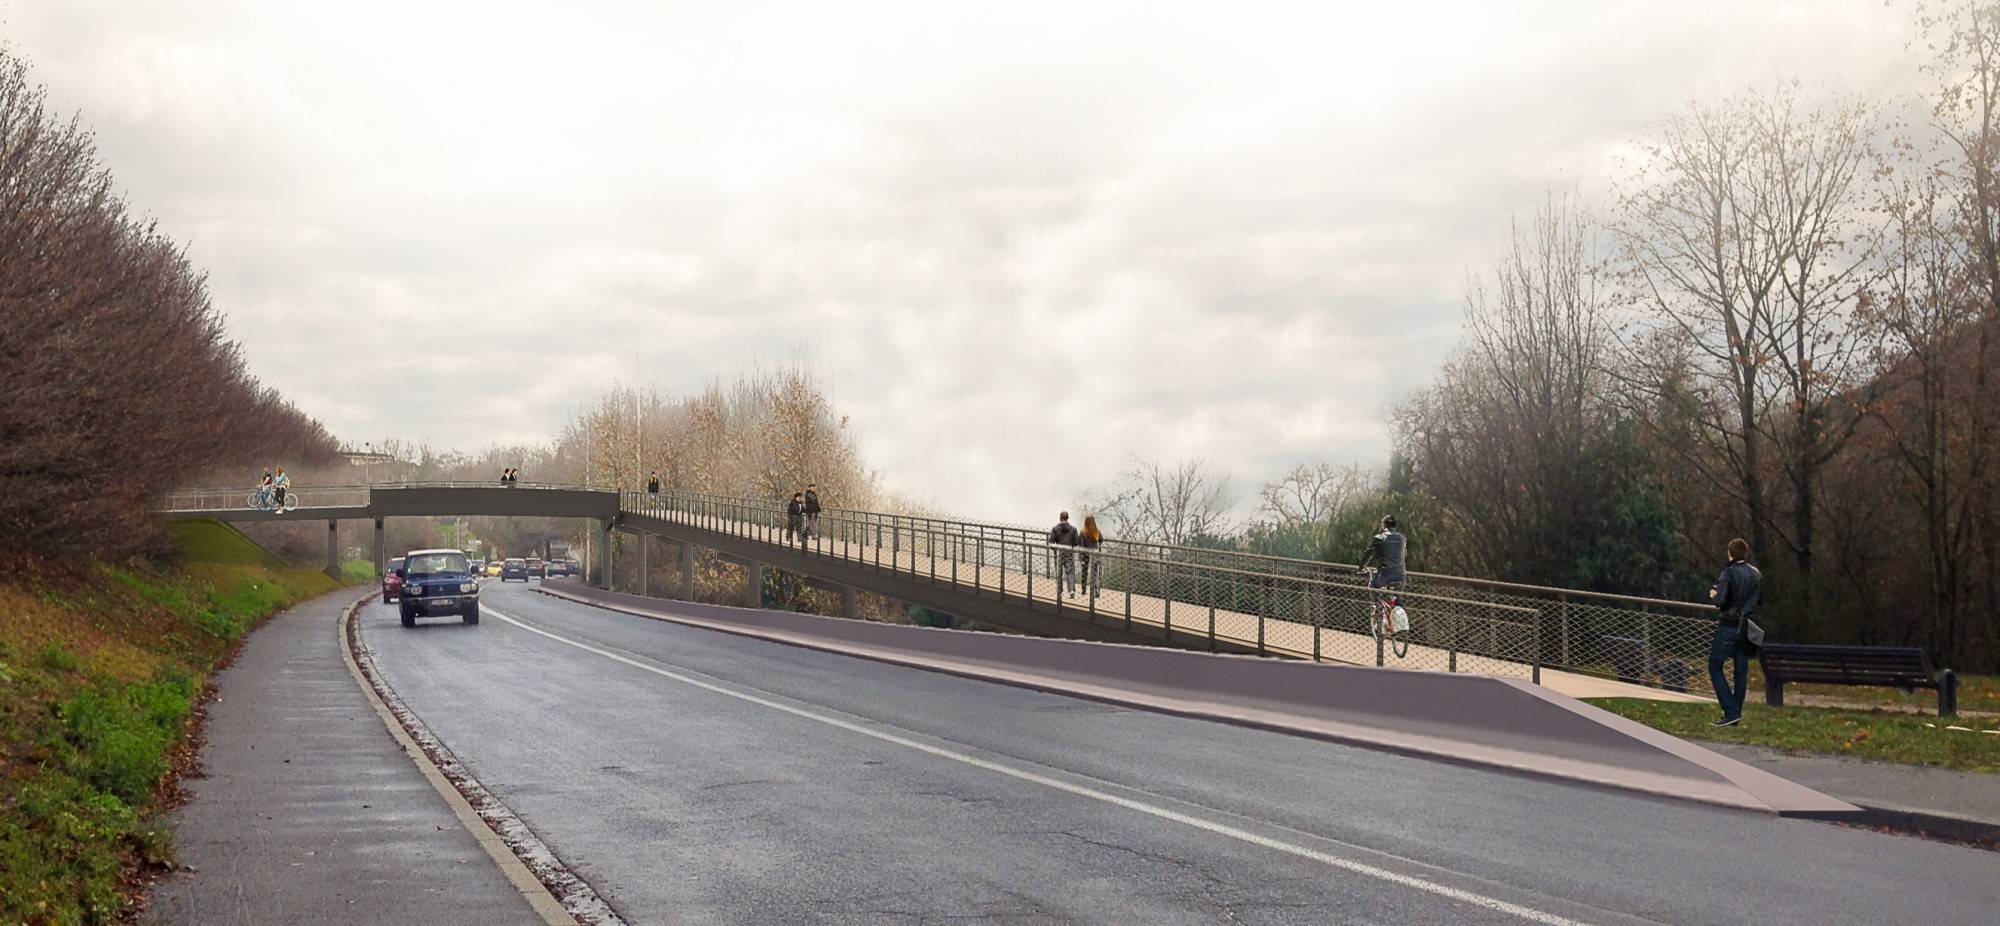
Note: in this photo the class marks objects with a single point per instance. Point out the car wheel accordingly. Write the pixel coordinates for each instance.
(409, 618)
(472, 616)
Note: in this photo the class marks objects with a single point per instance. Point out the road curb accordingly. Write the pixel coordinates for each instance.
(557, 896)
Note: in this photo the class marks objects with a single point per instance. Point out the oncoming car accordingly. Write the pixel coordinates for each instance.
(514, 569)
(437, 582)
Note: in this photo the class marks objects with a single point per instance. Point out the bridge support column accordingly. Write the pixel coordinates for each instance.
(602, 568)
(687, 571)
(753, 586)
(847, 606)
(645, 580)
(380, 561)
(333, 549)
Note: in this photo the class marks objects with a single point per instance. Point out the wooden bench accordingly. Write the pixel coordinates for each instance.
(1903, 667)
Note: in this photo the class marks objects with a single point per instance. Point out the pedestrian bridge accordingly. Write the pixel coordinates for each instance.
(1579, 643)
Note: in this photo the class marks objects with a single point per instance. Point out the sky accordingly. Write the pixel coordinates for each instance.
(1021, 244)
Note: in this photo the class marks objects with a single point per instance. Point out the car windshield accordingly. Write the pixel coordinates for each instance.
(395, 564)
(516, 562)
(430, 564)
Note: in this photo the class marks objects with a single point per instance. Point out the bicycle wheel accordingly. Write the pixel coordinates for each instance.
(250, 502)
(291, 501)
(1399, 643)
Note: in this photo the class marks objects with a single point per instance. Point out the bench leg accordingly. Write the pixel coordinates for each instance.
(1947, 694)
(1774, 692)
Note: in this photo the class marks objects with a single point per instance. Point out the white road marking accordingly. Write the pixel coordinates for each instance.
(1443, 890)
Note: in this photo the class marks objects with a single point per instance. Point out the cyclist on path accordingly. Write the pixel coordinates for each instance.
(264, 488)
(1387, 549)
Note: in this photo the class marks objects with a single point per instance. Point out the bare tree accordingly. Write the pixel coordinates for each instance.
(1741, 225)
(1160, 504)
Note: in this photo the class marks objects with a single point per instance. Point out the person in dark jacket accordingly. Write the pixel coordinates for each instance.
(1737, 593)
(1387, 550)
(653, 483)
(1065, 537)
(795, 517)
(812, 510)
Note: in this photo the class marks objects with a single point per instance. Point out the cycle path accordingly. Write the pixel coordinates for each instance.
(309, 811)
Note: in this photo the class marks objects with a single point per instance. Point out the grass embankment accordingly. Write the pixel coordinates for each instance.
(1868, 723)
(100, 669)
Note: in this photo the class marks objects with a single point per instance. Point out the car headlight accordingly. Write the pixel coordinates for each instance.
(413, 588)
(469, 586)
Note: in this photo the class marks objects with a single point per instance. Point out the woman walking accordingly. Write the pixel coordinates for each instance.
(1092, 574)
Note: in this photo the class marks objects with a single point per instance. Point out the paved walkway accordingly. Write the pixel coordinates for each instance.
(1970, 798)
(310, 812)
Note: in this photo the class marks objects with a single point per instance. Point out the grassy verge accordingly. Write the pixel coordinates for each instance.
(1882, 735)
(100, 668)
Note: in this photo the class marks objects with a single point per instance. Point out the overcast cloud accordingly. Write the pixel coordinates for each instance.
(1022, 243)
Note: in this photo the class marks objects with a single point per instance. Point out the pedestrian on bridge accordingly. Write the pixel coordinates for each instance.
(1092, 567)
(1737, 593)
(812, 509)
(282, 483)
(1064, 537)
(795, 518)
(653, 483)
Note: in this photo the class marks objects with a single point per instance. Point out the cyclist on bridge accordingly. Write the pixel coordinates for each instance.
(1387, 549)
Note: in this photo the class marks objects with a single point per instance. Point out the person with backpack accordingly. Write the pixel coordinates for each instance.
(1736, 594)
(653, 483)
(1064, 537)
(812, 510)
(281, 485)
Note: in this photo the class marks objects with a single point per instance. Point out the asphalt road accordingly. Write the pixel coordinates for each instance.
(699, 777)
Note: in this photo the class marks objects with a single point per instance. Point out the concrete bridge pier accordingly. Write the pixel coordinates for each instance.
(645, 580)
(753, 586)
(687, 571)
(601, 570)
(847, 606)
(333, 549)
(380, 562)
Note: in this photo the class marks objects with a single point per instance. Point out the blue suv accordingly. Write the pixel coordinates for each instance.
(438, 582)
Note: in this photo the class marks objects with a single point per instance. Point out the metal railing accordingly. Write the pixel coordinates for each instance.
(1273, 604)
(1144, 591)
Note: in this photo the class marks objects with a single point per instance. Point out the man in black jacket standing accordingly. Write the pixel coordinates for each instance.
(812, 510)
(1736, 593)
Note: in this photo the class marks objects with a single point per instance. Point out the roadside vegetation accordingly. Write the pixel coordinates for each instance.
(1862, 723)
(101, 668)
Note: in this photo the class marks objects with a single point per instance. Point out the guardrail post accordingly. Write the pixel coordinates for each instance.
(1538, 647)
(1211, 628)
(1562, 626)
(979, 570)
(1378, 639)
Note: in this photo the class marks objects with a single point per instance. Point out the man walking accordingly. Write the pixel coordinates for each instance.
(1737, 593)
(1065, 537)
(653, 483)
(812, 510)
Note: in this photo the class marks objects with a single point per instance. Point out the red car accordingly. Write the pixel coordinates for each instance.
(392, 582)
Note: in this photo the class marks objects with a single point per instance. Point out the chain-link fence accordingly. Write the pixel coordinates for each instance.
(1140, 587)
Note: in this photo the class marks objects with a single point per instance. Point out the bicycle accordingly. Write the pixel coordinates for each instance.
(267, 500)
(1389, 622)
